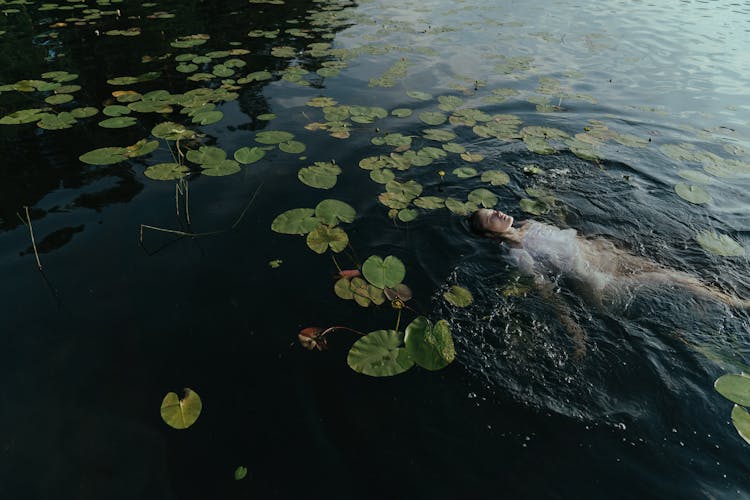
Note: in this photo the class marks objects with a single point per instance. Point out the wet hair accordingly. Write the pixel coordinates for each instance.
(475, 226)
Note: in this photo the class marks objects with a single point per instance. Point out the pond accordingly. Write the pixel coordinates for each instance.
(210, 188)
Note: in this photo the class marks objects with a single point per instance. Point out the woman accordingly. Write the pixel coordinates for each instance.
(543, 250)
(598, 268)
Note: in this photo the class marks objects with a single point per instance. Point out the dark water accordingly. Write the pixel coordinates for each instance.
(90, 347)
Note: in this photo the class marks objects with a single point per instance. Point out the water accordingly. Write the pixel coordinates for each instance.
(91, 346)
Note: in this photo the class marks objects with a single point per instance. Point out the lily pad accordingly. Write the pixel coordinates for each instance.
(472, 157)
(22, 116)
(465, 172)
(295, 221)
(273, 137)
(332, 212)
(458, 296)
(249, 155)
(208, 117)
(240, 473)
(459, 207)
(118, 122)
(365, 294)
(736, 388)
(407, 214)
(166, 171)
(85, 112)
(59, 99)
(695, 176)
(324, 237)
(741, 422)
(719, 244)
(292, 147)
(379, 354)
(116, 110)
(416, 94)
(431, 347)
(483, 197)
(206, 155)
(440, 135)
(181, 413)
(382, 175)
(692, 193)
(221, 168)
(534, 207)
(496, 177)
(382, 273)
(430, 202)
(322, 175)
(432, 117)
(401, 112)
(172, 131)
(56, 122)
(105, 156)
(453, 147)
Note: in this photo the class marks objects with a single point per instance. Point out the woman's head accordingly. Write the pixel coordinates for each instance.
(488, 222)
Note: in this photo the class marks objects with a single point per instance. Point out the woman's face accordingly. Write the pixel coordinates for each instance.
(493, 221)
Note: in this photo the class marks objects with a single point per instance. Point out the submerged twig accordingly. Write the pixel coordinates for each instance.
(207, 233)
(33, 242)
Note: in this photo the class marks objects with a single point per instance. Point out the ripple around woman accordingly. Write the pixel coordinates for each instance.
(602, 269)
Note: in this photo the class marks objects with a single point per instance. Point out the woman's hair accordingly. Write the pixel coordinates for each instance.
(475, 225)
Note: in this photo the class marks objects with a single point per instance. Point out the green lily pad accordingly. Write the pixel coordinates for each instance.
(322, 175)
(321, 102)
(208, 117)
(692, 193)
(421, 96)
(430, 347)
(118, 122)
(105, 156)
(85, 112)
(343, 289)
(379, 354)
(187, 68)
(440, 135)
(432, 117)
(458, 296)
(449, 102)
(295, 221)
(266, 117)
(472, 157)
(401, 112)
(181, 413)
(273, 137)
(116, 110)
(382, 175)
(365, 294)
(206, 154)
(56, 122)
(465, 172)
(166, 171)
(332, 212)
(382, 273)
(240, 473)
(736, 388)
(696, 176)
(453, 147)
(324, 237)
(292, 147)
(407, 214)
(22, 116)
(249, 155)
(172, 131)
(429, 202)
(495, 177)
(483, 197)
(142, 147)
(458, 207)
(409, 189)
(741, 422)
(221, 168)
(534, 207)
(59, 99)
(719, 244)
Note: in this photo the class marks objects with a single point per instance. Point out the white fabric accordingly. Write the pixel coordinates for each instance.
(547, 250)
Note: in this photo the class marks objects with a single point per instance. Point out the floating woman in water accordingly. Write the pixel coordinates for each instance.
(599, 268)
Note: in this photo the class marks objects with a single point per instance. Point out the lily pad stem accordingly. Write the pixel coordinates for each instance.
(335, 263)
(33, 243)
(331, 329)
(398, 319)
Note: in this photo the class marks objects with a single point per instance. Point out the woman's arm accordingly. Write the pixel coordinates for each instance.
(547, 291)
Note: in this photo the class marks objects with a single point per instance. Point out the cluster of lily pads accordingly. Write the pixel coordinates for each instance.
(736, 388)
